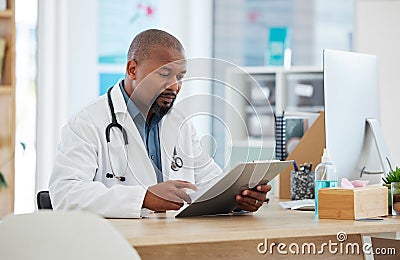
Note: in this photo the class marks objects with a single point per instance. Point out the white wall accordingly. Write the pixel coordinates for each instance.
(82, 54)
(377, 32)
(67, 72)
(51, 92)
(191, 22)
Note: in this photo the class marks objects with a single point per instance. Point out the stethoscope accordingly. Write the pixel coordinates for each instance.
(176, 162)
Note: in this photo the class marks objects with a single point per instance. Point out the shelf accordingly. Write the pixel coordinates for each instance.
(310, 109)
(263, 109)
(7, 108)
(285, 92)
(5, 89)
(6, 14)
(266, 142)
(273, 70)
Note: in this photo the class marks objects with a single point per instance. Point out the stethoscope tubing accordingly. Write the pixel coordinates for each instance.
(176, 162)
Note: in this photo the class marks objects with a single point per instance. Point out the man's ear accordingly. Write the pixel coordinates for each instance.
(131, 67)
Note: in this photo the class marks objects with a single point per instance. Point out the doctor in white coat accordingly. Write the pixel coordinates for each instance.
(129, 152)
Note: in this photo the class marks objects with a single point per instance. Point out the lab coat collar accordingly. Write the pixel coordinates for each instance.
(118, 99)
(133, 134)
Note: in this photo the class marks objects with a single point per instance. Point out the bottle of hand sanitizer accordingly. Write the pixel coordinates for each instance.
(325, 176)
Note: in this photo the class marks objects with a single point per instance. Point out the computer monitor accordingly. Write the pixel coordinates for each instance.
(352, 111)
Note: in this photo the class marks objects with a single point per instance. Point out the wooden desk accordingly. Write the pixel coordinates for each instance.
(163, 236)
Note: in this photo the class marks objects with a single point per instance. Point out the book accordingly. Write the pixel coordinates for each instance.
(295, 129)
(2, 54)
(280, 137)
(278, 47)
(289, 129)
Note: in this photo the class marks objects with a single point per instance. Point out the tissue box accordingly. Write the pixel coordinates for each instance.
(357, 203)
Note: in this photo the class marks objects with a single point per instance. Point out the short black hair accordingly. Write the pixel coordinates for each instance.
(143, 44)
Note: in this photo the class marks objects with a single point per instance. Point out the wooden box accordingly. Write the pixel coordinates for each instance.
(358, 203)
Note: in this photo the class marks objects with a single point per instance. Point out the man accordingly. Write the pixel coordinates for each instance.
(114, 156)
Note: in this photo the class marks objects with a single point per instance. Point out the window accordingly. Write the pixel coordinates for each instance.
(26, 71)
(241, 28)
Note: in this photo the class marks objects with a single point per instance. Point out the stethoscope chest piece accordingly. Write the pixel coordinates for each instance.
(177, 162)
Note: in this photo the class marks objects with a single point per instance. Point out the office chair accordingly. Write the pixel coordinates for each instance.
(62, 235)
(43, 200)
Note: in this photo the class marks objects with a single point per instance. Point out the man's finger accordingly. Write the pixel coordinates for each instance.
(185, 184)
(178, 196)
(183, 195)
(251, 200)
(170, 205)
(261, 196)
(247, 206)
(264, 188)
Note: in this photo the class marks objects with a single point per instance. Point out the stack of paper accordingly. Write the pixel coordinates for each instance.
(306, 204)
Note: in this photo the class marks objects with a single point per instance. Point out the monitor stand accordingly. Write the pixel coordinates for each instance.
(373, 127)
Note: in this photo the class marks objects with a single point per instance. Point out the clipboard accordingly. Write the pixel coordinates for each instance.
(219, 197)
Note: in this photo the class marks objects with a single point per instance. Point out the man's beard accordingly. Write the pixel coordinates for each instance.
(158, 110)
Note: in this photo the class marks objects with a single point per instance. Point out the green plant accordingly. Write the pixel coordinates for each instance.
(392, 176)
(3, 183)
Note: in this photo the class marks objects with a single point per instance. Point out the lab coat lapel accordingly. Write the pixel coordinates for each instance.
(167, 142)
(139, 161)
(170, 132)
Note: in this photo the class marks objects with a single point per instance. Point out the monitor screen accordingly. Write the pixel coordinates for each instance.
(351, 97)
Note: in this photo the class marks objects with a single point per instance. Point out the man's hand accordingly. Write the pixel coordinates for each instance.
(169, 195)
(252, 200)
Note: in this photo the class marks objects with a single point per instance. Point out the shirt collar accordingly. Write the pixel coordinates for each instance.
(132, 108)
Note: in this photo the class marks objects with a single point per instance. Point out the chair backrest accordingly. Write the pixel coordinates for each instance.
(62, 235)
(43, 200)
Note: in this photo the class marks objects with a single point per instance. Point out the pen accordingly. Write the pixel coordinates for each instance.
(303, 167)
(306, 169)
(296, 169)
(310, 166)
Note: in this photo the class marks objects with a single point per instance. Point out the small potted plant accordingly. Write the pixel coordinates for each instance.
(393, 176)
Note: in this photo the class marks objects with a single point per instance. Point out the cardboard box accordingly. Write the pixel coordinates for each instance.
(358, 203)
(309, 149)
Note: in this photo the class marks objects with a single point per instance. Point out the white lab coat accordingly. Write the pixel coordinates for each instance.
(78, 179)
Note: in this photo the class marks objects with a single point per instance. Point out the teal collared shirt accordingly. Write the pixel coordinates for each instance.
(148, 132)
